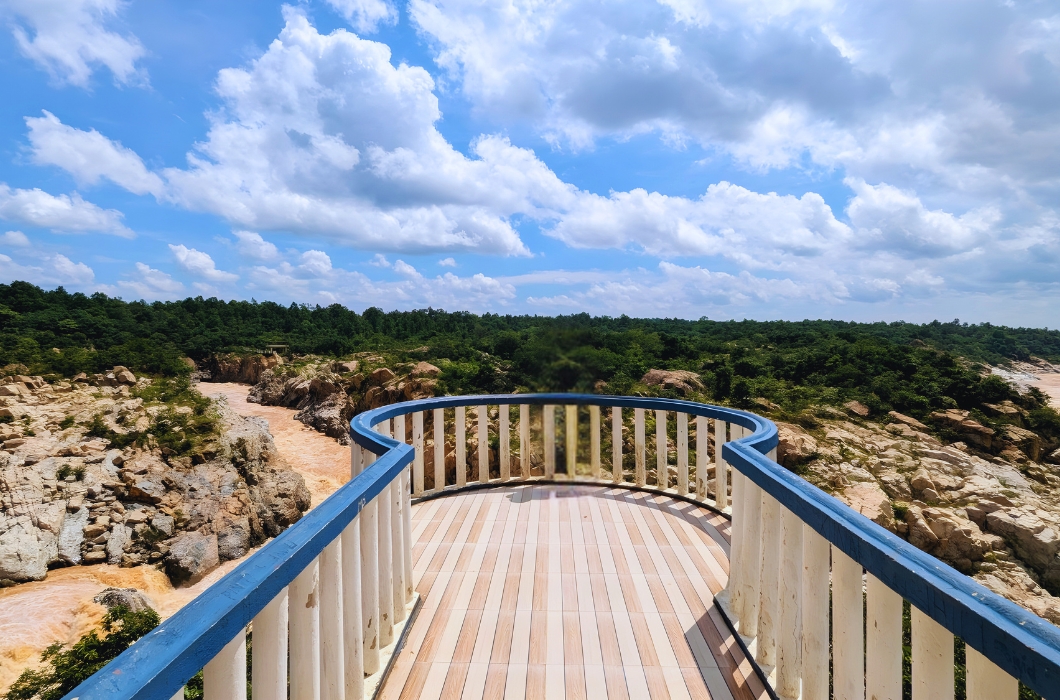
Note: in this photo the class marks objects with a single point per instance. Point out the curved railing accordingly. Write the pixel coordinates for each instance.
(815, 589)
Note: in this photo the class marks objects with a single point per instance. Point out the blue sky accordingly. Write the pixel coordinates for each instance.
(722, 158)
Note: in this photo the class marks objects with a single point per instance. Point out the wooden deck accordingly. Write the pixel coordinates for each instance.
(542, 591)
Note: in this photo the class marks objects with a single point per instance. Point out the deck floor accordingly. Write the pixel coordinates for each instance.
(545, 591)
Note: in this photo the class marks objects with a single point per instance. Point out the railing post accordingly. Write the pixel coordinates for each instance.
(702, 455)
(640, 475)
(397, 543)
(616, 445)
(370, 604)
(751, 559)
(932, 658)
(769, 582)
(985, 681)
(662, 471)
(549, 425)
(815, 656)
(883, 640)
(504, 432)
(439, 449)
(406, 538)
(570, 423)
(789, 632)
(399, 428)
(524, 440)
(594, 441)
(736, 585)
(386, 566)
(460, 429)
(721, 469)
(417, 460)
(269, 674)
(225, 675)
(483, 444)
(352, 625)
(305, 634)
(848, 656)
(332, 654)
(682, 453)
(355, 459)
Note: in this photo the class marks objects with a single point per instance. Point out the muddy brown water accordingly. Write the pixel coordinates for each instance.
(60, 608)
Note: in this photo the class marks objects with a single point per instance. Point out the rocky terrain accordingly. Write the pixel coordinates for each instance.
(68, 496)
(987, 504)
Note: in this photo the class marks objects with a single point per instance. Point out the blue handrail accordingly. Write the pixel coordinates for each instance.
(1022, 644)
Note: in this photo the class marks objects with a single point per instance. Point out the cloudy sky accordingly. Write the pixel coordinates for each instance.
(870, 159)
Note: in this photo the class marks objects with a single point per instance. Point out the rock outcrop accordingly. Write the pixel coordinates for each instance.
(681, 381)
(66, 499)
(246, 369)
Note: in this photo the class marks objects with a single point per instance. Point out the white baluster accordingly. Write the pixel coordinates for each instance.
(662, 472)
(702, 456)
(737, 554)
(386, 566)
(616, 445)
(848, 655)
(305, 634)
(682, 453)
(400, 433)
(769, 582)
(883, 641)
(483, 444)
(985, 681)
(225, 675)
(332, 654)
(439, 449)
(594, 441)
(815, 566)
(550, 441)
(504, 430)
(269, 675)
(355, 459)
(352, 624)
(570, 422)
(721, 469)
(406, 538)
(417, 445)
(397, 544)
(789, 632)
(751, 558)
(932, 658)
(179, 695)
(524, 440)
(369, 518)
(640, 473)
(461, 446)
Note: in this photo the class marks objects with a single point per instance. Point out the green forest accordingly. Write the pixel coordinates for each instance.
(913, 368)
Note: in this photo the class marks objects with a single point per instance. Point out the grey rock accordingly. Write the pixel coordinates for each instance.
(116, 541)
(73, 536)
(233, 540)
(191, 556)
(147, 491)
(164, 524)
(26, 551)
(129, 598)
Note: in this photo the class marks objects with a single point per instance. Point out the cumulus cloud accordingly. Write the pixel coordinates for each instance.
(72, 38)
(365, 15)
(200, 264)
(253, 246)
(15, 238)
(47, 270)
(61, 213)
(88, 155)
(149, 283)
(447, 262)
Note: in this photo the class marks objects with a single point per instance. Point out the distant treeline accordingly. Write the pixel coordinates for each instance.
(911, 367)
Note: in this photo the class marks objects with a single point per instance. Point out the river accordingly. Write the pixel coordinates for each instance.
(60, 608)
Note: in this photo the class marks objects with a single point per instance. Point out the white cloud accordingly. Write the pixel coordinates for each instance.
(200, 264)
(15, 238)
(89, 156)
(447, 262)
(365, 15)
(71, 272)
(152, 284)
(71, 38)
(62, 213)
(254, 246)
(47, 270)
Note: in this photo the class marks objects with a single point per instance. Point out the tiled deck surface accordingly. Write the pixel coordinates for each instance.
(543, 591)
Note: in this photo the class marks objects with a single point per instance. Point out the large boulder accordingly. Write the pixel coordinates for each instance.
(234, 368)
(1026, 441)
(972, 430)
(679, 380)
(25, 550)
(191, 556)
(128, 598)
(73, 536)
(867, 498)
(794, 445)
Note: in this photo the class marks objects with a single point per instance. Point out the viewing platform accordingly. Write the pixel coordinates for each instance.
(575, 546)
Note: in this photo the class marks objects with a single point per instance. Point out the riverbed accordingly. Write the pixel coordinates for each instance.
(60, 608)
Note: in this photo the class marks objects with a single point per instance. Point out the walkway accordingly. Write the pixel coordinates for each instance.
(541, 591)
